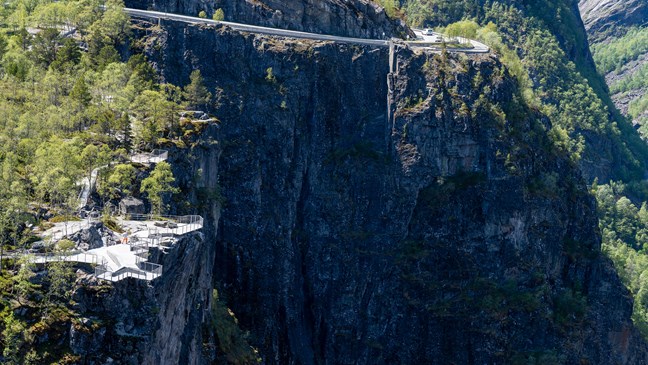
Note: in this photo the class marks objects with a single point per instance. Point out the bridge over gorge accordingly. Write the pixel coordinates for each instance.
(129, 257)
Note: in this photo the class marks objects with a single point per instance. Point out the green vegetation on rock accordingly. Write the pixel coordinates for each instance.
(616, 53)
(624, 227)
(541, 43)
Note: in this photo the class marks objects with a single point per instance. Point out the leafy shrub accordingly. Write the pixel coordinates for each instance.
(219, 15)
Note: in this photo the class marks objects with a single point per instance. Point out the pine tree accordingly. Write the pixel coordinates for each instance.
(219, 15)
(196, 93)
(158, 184)
(67, 56)
(80, 92)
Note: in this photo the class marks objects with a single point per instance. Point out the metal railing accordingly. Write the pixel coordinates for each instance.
(144, 271)
(178, 224)
(129, 273)
(150, 267)
(160, 154)
(71, 256)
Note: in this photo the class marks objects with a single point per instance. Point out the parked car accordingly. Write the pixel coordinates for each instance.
(428, 31)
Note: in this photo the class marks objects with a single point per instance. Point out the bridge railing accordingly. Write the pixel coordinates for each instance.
(101, 268)
(125, 273)
(160, 154)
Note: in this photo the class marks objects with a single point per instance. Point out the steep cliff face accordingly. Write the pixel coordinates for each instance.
(605, 17)
(133, 322)
(352, 18)
(419, 216)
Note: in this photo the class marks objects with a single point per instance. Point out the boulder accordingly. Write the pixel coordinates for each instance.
(88, 238)
(131, 205)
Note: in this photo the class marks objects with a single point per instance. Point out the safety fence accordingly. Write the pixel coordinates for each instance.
(166, 227)
(70, 256)
(174, 224)
(144, 271)
(125, 273)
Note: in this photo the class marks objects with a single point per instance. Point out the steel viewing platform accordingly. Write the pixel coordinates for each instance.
(129, 257)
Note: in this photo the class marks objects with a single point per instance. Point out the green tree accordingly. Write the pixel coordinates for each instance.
(111, 28)
(56, 169)
(67, 56)
(202, 14)
(22, 281)
(45, 45)
(121, 179)
(158, 184)
(138, 65)
(219, 15)
(14, 338)
(153, 115)
(3, 45)
(93, 157)
(106, 55)
(17, 65)
(197, 94)
(61, 279)
(391, 7)
(80, 92)
(464, 28)
(50, 15)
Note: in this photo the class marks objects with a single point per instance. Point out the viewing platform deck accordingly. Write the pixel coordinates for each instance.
(127, 259)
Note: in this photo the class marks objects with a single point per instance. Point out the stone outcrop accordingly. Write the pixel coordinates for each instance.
(88, 238)
(447, 230)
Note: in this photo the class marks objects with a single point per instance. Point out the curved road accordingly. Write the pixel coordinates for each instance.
(478, 47)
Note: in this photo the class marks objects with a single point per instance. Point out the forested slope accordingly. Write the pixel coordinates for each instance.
(548, 51)
(77, 94)
(619, 41)
(621, 52)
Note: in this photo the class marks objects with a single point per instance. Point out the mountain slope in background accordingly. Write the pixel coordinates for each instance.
(551, 58)
(611, 17)
(620, 45)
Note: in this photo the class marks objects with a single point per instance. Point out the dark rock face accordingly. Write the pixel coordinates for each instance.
(604, 17)
(420, 216)
(352, 18)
